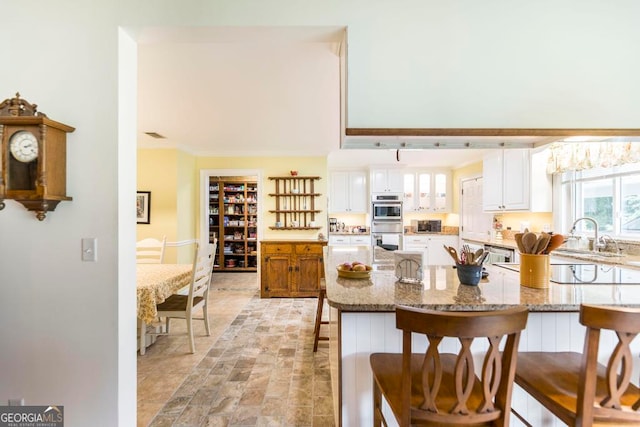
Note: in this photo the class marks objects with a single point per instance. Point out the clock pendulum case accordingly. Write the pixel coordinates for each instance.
(33, 160)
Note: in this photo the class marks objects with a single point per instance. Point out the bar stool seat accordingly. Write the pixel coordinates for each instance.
(322, 293)
(575, 387)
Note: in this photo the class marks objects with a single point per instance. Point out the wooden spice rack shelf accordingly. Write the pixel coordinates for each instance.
(295, 199)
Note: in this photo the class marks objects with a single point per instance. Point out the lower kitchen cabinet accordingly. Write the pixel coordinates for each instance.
(344, 240)
(432, 246)
(291, 268)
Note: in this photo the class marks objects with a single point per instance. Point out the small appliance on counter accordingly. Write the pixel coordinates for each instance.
(333, 225)
(426, 226)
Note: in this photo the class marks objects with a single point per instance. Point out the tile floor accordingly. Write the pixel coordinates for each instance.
(256, 369)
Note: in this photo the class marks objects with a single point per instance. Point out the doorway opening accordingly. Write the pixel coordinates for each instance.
(231, 215)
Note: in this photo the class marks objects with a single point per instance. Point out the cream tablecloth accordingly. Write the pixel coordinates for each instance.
(155, 282)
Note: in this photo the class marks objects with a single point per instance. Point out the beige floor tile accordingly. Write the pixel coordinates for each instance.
(257, 367)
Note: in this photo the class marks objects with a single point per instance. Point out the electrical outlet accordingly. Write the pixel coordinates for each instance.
(16, 402)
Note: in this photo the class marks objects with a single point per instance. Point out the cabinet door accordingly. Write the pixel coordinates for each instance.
(441, 196)
(308, 272)
(437, 253)
(492, 181)
(339, 192)
(395, 180)
(339, 240)
(358, 194)
(516, 179)
(387, 181)
(424, 191)
(410, 192)
(414, 241)
(378, 181)
(360, 240)
(418, 244)
(275, 276)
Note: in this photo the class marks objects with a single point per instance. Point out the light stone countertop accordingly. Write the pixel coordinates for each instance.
(441, 289)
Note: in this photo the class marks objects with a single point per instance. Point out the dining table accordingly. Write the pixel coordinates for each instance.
(154, 284)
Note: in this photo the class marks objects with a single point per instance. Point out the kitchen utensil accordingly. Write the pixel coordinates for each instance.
(534, 249)
(476, 256)
(555, 242)
(482, 258)
(543, 242)
(453, 253)
(518, 239)
(529, 241)
(468, 254)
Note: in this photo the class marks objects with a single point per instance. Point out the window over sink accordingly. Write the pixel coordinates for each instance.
(609, 195)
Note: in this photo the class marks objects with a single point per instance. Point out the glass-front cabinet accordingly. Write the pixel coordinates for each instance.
(427, 191)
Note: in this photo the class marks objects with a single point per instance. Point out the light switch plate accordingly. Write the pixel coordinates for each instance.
(89, 249)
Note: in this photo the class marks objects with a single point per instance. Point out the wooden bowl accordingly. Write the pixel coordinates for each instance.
(353, 274)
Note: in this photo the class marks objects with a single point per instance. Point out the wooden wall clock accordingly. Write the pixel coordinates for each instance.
(33, 160)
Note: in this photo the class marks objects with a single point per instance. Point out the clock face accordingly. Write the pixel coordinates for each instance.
(24, 146)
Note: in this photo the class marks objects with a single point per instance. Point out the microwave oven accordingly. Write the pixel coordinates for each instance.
(427, 226)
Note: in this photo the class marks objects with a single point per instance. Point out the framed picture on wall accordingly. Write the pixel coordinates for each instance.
(143, 206)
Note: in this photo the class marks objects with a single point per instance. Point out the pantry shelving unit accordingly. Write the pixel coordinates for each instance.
(295, 203)
(233, 220)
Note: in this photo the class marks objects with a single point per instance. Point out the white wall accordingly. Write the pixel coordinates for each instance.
(457, 63)
(59, 315)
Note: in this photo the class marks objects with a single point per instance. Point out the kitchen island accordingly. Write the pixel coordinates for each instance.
(362, 321)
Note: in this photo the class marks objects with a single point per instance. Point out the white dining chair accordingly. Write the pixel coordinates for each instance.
(150, 251)
(183, 306)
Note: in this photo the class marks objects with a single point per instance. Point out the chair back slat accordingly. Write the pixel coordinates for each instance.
(625, 322)
(464, 377)
(431, 375)
(202, 269)
(150, 251)
(491, 374)
(496, 373)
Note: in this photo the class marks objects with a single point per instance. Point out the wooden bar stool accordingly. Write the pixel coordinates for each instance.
(575, 387)
(433, 388)
(321, 296)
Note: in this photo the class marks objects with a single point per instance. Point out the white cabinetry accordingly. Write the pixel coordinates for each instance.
(427, 191)
(386, 181)
(343, 240)
(432, 247)
(516, 180)
(348, 192)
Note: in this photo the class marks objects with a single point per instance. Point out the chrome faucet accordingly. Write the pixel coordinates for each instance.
(597, 243)
(606, 237)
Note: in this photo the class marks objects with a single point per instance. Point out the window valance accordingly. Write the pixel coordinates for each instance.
(575, 156)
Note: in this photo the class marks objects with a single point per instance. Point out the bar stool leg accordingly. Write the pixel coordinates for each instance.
(321, 296)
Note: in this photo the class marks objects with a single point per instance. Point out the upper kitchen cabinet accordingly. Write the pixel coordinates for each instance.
(348, 192)
(516, 180)
(387, 181)
(427, 191)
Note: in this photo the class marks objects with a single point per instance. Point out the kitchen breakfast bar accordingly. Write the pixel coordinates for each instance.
(362, 321)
